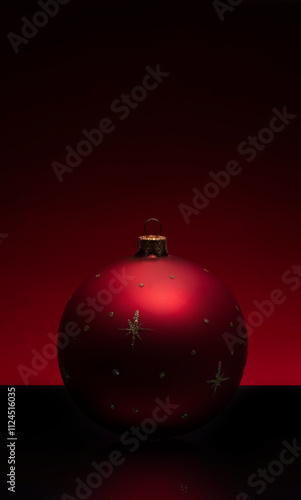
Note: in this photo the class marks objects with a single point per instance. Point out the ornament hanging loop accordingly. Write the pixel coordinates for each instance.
(151, 245)
(149, 220)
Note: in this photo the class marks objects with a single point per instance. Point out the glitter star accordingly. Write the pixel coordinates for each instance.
(134, 328)
(65, 375)
(218, 378)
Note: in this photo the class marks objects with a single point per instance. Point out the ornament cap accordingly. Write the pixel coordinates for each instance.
(152, 244)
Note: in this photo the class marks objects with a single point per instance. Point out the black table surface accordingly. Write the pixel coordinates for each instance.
(239, 455)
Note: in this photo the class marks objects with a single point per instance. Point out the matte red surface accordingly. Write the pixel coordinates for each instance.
(225, 79)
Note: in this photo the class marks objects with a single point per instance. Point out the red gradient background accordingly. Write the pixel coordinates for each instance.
(225, 79)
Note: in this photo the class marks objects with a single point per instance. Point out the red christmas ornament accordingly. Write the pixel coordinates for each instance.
(149, 343)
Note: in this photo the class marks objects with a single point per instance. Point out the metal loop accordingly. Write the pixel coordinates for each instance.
(148, 222)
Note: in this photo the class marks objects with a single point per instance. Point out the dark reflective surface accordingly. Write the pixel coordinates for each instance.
(57, 446)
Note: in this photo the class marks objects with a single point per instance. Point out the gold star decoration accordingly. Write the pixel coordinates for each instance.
(184, 488)
(65, 375)
(134, 328)
(218, 378)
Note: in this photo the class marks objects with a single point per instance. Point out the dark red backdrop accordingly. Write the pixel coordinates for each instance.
(225, 79)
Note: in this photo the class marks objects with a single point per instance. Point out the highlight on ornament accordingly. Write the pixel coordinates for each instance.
(151, 328)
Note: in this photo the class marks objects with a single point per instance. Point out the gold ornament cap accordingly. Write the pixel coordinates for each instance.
(152, 244)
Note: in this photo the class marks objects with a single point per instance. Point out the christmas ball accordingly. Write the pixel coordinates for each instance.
(150, 343)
